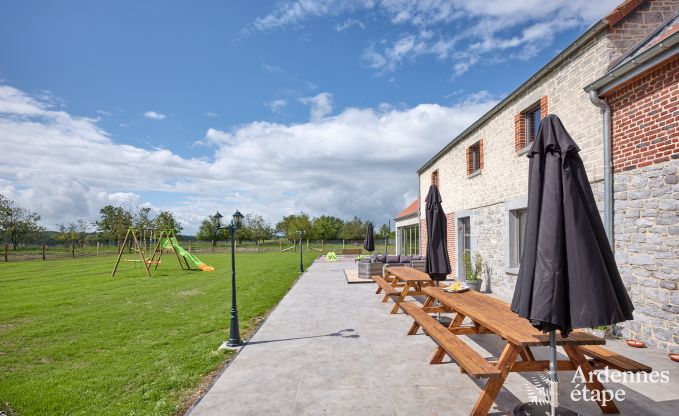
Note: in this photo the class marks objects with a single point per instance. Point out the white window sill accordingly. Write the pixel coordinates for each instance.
(474, 174)
(524, 150)
(512, 270)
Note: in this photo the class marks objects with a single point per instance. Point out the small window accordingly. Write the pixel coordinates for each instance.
(532, 122)
(464, 242)
(435, 177)
(517, 235)
(474, 162)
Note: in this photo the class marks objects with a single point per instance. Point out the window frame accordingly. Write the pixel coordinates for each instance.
(531, 124)
(517, 219)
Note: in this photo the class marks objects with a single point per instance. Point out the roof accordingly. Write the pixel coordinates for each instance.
(658, 47)
(614, 17)
(409, 210)
(622, 11)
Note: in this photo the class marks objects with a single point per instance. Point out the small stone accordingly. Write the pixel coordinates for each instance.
(661, 191)
(668, 285)
(667, 220)
(644, 223)
(639, 194)
(640, 259)
(639, 238)
(662, 334)
(671, 179)
(669, 204)
(674, 230)
(652, 238)
(671, 309)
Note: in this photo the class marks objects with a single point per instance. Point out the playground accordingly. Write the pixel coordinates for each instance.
(76, 341)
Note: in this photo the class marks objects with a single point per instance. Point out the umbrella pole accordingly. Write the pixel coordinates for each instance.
(553, 379)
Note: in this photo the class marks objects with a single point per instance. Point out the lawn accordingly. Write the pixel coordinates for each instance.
(75, 341)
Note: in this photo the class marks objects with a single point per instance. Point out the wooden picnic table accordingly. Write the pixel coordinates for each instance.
(489, 315)
(410, 282)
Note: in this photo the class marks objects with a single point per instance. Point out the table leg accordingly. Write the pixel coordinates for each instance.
(578, 359)
(415, 326)
(401, 298)
(493, 386)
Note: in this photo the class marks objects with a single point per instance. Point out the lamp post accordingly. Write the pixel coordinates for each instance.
(234, 225)
(301, 249)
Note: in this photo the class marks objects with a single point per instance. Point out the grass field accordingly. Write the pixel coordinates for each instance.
(74, 341)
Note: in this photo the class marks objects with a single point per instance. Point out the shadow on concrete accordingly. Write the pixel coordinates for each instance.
(343, 333)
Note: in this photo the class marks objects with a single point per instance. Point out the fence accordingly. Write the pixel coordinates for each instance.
(44, 252)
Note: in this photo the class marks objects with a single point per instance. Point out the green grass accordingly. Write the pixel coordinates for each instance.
(74, 341)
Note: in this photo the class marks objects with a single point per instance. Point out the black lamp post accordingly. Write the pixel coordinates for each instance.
(301, 249)
(236, 221)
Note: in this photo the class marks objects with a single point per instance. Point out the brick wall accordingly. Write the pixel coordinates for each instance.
(646, 119)
(639, 24)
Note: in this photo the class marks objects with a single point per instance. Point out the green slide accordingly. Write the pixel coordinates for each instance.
(172, 243)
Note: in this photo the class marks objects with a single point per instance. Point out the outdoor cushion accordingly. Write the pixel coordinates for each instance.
(393, 259)
(377, 258)
(417, 258)
(406, 259)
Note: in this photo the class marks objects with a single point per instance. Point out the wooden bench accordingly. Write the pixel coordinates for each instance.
(352, 250)
(604, 357)
(382, 284)
(467, 358)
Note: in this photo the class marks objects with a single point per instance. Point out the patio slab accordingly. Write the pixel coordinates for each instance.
(333, 348)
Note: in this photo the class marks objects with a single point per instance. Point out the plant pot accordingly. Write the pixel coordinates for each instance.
(636, 343)
(475, 284)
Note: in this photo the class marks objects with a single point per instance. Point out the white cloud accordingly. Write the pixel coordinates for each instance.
(276, 105)
(153, 115)
(348, 24)
(210, 114)
(447, 29)
(321, 105)
(358, 162)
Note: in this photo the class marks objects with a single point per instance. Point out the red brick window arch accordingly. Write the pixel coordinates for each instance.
(435, 177)
(526, 123)
(475, 158)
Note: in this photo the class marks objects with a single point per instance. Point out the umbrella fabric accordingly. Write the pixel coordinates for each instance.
(369, 242)
(437, 264)
(568, 277)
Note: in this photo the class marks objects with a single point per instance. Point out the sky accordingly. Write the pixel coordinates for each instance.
(326, 107)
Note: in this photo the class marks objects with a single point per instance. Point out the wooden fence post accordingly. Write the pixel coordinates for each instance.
(5, 252)
(189, 246)
(97, 249)
(280, 245)
(43, 251)
(342, 244)
(73, 250)
(307, 244)
(212, 246)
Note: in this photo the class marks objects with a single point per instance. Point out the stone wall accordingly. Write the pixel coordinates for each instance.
(639, 24)
(647, 250)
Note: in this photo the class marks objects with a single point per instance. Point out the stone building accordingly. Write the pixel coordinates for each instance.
(628, 60)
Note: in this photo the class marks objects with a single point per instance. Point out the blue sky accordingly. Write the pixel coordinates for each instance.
(268, 107)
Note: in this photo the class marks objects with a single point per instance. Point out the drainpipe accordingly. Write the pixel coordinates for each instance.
(608, 165)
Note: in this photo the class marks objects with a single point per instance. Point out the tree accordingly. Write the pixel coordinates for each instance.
(290, 224)
(142, 219)
(208, 231)
(327, 227)
(254, 228)
(166, 221)
(354, 229)
(383, 232)
(17, 223)
(80, 231)
(114, 223)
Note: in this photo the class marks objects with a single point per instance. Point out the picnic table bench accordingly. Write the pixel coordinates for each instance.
(401, 282)
(489, 315)
(352, 250)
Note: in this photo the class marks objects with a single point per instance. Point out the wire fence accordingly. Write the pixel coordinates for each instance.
(45, 252)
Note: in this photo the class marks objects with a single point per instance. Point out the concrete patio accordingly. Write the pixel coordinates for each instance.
(333, 348)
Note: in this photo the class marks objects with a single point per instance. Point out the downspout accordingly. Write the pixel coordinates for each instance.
(608, 165)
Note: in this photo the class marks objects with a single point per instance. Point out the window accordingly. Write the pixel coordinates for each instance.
(475, 157)
(526, 124)
(517, 235)
(435, 177)
(409, 240)
(464, 242)
(531, 124)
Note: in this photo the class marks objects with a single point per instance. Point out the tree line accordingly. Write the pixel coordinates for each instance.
(324, 227)
(21, 225)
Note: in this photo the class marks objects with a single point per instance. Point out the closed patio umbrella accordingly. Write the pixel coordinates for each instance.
(437, 264)
(568, 277)
(369, 242)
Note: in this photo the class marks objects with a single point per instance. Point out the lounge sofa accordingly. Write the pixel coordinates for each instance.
(377, 262)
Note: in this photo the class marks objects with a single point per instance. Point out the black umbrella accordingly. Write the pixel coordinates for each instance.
(369, 242)
(437, 264)
(568, 277)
